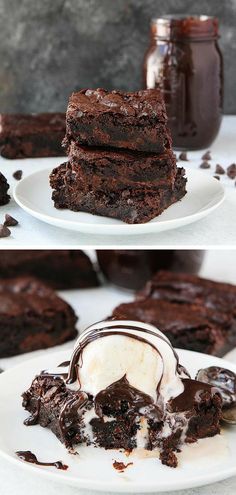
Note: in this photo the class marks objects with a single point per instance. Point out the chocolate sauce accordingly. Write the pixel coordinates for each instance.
(28, 456)
(70, 412)
(223, 380)
(97, 333)
(121, 397)
(193, 390)
(184, 60)
(120, 466)
(131, 269)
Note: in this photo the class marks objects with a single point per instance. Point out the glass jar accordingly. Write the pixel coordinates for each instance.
(184, 60)
(130, 269)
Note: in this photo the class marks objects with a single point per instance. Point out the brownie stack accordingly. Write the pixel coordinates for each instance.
(121, 164)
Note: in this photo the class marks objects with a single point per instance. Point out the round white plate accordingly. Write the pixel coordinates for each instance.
(205, 462)
(205, 193)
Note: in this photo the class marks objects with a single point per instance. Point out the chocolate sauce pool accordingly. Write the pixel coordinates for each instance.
(28, 456)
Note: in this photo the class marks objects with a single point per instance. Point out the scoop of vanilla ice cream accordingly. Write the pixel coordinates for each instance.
(147, 365)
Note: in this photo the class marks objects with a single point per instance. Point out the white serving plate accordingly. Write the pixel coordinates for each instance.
(207, 461)
(204, 194)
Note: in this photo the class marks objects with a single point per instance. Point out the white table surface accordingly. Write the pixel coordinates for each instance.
(91, 305)
(216, 229)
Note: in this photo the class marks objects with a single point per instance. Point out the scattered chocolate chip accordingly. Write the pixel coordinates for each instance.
(206, 156)
(183, 156)
(217, 177)
(219, 169)
(231, 171)
(205, 165)
(18, 174)
(4, 231)
(10, 221)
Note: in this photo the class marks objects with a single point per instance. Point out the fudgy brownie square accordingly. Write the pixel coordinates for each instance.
(112, 198)
(135, 121)
(4, 186)
(114, 163)
(61, 269)
(187, 326)
(32, 135)
(32, 317)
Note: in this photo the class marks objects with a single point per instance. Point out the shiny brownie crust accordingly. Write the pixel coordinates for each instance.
(32, 317)
(32, 136)
(135, 121)
(61, 269)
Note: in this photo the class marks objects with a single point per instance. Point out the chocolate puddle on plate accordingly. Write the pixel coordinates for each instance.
(28, 456)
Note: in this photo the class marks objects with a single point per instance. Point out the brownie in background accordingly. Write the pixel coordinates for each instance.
(32, 317)
(195, 313)
(131, 269)
(61, 269)
(32, 135)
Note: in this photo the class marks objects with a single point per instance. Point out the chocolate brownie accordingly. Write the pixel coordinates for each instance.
(135, 121)
(187, 326)
(31, 136)
(32, 317)
(4, 186)
(61, 269)
(187, 288)
(118, 164)
(111, 198)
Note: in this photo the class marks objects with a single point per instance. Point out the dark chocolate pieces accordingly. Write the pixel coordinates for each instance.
(231, 171)
(10, 221)
(206, 156)
(183, 156)
(219, 169)
(4, 231)
(18, 174)
(205, 165)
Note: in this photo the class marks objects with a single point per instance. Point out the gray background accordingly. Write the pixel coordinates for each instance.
(48, 48)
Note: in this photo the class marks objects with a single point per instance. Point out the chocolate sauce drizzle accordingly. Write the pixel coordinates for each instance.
(28, 456)
(96, 333)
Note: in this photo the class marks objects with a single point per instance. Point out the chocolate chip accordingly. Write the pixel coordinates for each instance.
(219, 169)
(10, 221)
(4, 231)
(231, 171)
(183, 156)
(206, 156)
(205, 165)
(217, 177)
(17, 174)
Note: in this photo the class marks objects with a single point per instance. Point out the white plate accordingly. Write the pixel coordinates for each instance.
(205, 193)
(205, 462)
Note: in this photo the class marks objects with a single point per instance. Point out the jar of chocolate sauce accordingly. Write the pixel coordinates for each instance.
(130, 269)
(184, 60)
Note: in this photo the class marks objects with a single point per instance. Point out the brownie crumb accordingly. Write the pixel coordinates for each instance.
(216, 177)
(4, 231)
(120, 466)
(205, 164)
(206, 156)
(183, 156)
(219, 169)
(168, 458)
(10, 221)
(231, 171)
(18, 174)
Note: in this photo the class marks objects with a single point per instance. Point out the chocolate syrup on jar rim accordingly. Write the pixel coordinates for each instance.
(184, 60)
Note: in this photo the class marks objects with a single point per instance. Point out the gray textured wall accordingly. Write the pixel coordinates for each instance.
(48, 48)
